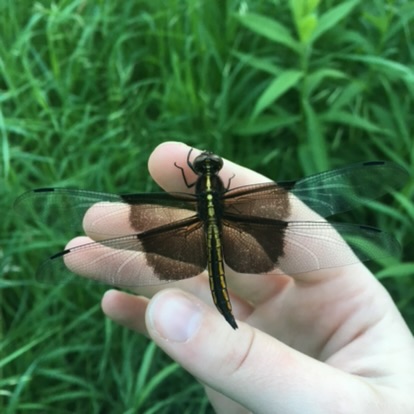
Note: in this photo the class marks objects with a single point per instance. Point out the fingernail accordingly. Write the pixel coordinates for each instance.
(174, 316)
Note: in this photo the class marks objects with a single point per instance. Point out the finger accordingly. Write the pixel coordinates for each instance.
(249, 367)
(161, 165)
(105, 220)
(223, 404)
(129, 310)
(115, 267)
(126, 309)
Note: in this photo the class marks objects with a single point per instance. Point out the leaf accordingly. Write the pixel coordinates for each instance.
(304, 14)
(406, 203)
(316, 139)
(396, 68)
(354, 120)
(269, 28)
(259, 63)
(303, 8)
(265, 124)
(349, 94)
(396, 271)
(306, 27)
(332, 17)
(276, 89)
(313, 80)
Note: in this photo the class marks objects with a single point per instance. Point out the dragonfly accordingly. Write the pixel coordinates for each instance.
(145, 239)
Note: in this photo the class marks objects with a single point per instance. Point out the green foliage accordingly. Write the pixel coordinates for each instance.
(88, 89)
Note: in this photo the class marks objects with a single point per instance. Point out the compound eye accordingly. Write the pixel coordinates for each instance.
(216, 161)
(199, 163)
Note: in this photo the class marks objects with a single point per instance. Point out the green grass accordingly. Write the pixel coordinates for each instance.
(88, 89)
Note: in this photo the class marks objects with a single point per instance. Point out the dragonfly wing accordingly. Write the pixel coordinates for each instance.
(342, 189)
(271, 246)
(169, 253)
(326, 193)
(103, 215)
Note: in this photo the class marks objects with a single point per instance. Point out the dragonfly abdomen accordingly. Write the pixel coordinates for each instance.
(216, 273)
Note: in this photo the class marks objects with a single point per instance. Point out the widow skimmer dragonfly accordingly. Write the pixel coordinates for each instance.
(153, 238)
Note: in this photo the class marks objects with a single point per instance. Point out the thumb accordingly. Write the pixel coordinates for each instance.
(248, 366)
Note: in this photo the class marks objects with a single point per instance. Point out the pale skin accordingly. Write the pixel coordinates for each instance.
(330, 341)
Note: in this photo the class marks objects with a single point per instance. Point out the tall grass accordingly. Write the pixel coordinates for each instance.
(88, 89)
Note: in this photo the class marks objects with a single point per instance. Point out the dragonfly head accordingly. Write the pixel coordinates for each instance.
(207, 162)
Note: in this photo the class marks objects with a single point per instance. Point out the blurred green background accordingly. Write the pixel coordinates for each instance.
(89, 88)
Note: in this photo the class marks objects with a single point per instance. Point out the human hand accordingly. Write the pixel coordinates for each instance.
(329, 341)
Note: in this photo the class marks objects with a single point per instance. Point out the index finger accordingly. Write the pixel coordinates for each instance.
(163, 170)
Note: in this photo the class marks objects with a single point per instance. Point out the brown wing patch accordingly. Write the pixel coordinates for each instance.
(159, 210)
(266, 200)
(253, 246)
(177, 251)
(146, 217)
(169, 253)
